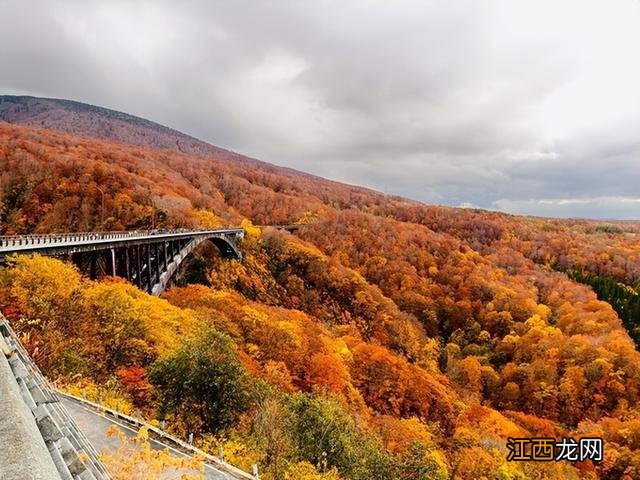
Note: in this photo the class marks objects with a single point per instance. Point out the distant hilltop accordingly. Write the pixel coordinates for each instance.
(79, 118)
(84, 119)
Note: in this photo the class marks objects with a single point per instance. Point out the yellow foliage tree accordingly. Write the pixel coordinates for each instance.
(41, 286)
(207, 219)
(250, 228)
(135, 459)
(306, 471)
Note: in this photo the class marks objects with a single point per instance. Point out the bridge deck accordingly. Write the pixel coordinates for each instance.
(30, 243)
(148, 259)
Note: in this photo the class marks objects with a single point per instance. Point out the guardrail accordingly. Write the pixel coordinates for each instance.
(216, 462)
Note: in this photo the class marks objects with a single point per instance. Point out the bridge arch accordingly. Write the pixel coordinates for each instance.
(227, 248)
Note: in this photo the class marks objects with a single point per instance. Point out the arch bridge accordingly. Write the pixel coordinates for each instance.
(148, 259)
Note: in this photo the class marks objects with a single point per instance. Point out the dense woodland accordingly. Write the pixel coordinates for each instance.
(387, 339)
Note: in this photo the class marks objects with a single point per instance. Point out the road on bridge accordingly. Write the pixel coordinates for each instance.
(95, 426)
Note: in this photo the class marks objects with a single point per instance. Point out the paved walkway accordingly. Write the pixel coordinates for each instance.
(95, 426)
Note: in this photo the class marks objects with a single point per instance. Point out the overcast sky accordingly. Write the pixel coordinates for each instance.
(523, 106)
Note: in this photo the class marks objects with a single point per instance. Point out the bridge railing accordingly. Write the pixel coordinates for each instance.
(46, 239)
(53, 238)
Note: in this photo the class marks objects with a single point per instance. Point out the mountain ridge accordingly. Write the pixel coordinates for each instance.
(31, 110)
(79, 118)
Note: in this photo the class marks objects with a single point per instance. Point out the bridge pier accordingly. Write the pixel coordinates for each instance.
(139, 270)
(126, 261)
(164, 248)
(156, 272)
(113, 262)
(146, 271)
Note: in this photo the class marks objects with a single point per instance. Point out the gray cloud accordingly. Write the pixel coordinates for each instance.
(525, 108)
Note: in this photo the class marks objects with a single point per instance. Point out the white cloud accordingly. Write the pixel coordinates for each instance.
(497, 103)
(623, 208)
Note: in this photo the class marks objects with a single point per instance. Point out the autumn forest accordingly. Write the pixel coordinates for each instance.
(384, 339)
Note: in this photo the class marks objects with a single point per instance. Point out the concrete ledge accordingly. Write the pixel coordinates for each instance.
(23, 453)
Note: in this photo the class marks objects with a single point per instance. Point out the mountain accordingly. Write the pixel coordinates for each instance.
(385, 339)
(83, 119)
(98, 122)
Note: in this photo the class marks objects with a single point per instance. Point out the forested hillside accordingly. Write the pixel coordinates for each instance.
(386, 339)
